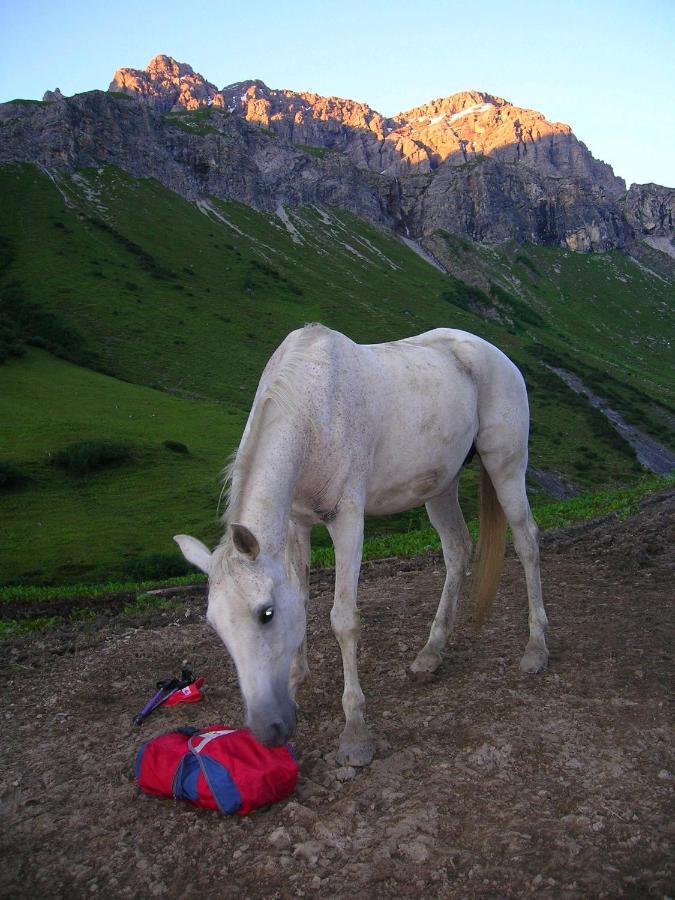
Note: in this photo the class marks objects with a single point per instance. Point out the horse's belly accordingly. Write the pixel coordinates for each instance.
(420, 461)
(383, 499)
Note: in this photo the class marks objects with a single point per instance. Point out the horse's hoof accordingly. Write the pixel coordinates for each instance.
(534, 661)
(420, 677)
(424, 666)
(358, 754)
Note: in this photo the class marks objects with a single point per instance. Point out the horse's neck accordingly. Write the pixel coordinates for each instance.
(266, 481)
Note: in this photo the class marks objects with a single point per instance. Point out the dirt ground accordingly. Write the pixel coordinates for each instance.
(486, 782)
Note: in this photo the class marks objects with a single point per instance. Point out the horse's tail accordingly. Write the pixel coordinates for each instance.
(490, 552)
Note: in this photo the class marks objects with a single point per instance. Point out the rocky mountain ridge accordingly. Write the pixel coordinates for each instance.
(470, 164)
(452, 130)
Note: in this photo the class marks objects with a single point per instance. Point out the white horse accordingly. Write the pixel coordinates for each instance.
(340, 430)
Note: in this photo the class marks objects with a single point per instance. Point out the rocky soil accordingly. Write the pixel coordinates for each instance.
(486, 783)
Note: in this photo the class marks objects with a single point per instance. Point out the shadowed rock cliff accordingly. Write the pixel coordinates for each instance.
(471, 163)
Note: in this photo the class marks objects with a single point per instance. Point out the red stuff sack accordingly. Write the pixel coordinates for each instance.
(191, 693)
(218, 768)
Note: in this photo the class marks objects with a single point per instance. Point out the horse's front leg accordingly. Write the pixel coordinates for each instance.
(297, 566)
(356, 744)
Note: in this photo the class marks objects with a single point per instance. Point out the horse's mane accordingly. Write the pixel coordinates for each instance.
(286, 392)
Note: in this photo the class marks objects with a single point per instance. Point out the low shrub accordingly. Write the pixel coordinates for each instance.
(24, 322)
(176, 447)
(84, 457)
(156, 566)
(525, 260)
(11, 343)
(11, 476)
(314, 151)
(519, 310)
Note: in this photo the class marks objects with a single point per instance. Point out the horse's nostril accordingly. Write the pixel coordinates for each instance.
(276, 733)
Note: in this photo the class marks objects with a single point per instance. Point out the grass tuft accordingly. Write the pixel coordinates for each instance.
(84, 457)
(11, 476)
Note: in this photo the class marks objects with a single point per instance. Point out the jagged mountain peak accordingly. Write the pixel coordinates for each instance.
(166, 83)
(170, 84)
(442, 136)
(166, 66)
(252, 85)
(454, 104)
(470, 163)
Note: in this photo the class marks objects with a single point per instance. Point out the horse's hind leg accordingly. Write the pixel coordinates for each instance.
(509, 483)
(446, 517)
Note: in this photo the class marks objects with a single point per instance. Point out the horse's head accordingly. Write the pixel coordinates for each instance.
(260, 617)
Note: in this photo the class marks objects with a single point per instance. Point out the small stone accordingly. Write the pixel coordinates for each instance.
(280, 839)
(303, 815)
(415, 851)
(345, 773)
(310, 851)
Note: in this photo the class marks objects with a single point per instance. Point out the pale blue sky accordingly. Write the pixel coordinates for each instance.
(606, 68)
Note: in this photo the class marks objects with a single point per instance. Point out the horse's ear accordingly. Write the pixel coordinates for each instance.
(245, 541)
(194, 551)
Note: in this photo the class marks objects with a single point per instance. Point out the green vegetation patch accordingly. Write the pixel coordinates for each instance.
(319, 152)
(12, 628)
(456, 242)
(524, 260)
(11, 476)
(176, 447)
(107, 525)
(623, 501)
(11, 341)
(89, 592)
(84, 457)
(520, 313)
(194, 121)
(145, 604)
(158, 566)
(182, 307)
(22, 102)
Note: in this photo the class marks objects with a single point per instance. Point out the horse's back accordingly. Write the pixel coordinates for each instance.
(315, 361)
(447, 365)
(399, 417)
(501, 394)
(474, 354)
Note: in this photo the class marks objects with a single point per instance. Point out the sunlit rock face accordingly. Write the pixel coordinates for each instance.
(471, 163)
(168, 84)
(453, 130)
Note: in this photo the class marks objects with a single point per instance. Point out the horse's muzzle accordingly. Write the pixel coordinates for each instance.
(273, 727)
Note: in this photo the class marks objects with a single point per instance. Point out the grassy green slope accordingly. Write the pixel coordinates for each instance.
(611, 319)
(168, 296)
(66, 527)
(136, 282)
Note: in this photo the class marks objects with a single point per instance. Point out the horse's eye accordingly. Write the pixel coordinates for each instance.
(266, 615)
